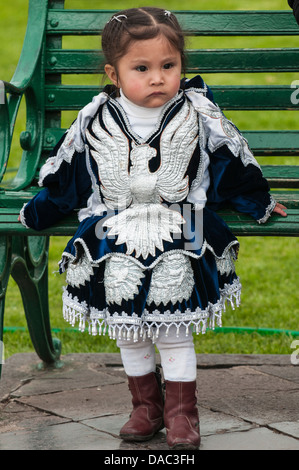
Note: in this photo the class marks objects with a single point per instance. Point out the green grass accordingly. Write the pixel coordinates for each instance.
(268, 267)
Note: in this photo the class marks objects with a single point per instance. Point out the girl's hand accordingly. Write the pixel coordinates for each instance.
(279, 209)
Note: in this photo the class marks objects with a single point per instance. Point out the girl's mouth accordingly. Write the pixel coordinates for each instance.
(157, 93)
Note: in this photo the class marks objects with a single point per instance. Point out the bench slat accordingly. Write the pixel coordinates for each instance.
(243, 60)
(282, 176)
(196, 23)
(199, 61)
(240, 224)
(288, 198)
(262, 143)
(275, 226)
(273, 143)
(74, 97)
(11, 202)
(16, 199)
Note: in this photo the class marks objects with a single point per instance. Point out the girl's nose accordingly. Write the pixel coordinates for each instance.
(156, 78)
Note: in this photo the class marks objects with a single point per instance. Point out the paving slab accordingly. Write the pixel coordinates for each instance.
(288, 428)
(60, 381)
(249, 393)
(245, 402)
(67, 436)
(84, 403)
(253, 439)
(289, 373)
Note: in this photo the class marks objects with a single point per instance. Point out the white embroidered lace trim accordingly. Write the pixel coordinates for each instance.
(220, 131)
(74, 140)
(22, 216)
(122, 325)
(268, 211)
(68, 257)
(137, 138)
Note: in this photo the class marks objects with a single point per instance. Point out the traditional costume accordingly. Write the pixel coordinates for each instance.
(150, 250)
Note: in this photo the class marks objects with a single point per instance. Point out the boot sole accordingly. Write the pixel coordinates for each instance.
(182, 446)
(134, 438)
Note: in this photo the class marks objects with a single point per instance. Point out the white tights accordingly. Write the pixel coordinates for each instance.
(178, 358)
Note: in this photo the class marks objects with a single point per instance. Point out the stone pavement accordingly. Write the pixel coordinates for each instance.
(245, 402)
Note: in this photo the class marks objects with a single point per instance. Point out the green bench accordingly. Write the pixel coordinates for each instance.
(43, 62)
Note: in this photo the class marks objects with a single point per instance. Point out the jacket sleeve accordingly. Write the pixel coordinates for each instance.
(241, 186)
(236, 178)
(66, 186)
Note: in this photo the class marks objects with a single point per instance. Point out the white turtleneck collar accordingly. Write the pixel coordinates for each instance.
(142, 120)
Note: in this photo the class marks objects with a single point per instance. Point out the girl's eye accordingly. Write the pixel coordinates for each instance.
(141, 68)
(167, 66)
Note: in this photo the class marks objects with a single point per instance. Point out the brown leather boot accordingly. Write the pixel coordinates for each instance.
(146, 418)
(181, 415)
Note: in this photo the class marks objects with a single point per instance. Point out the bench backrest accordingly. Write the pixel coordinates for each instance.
(46, 66)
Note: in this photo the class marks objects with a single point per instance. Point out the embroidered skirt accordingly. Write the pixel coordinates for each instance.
(186, 284)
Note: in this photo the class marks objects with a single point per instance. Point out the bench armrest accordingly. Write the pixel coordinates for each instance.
(26, 81)
(12, 89)
(32, 46)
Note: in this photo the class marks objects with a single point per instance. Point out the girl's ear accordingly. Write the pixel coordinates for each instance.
(111, 73)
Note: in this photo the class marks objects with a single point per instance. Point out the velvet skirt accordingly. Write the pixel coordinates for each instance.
(187, 283)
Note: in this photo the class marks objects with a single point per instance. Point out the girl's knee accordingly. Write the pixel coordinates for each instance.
(132, 344)
(173, 338)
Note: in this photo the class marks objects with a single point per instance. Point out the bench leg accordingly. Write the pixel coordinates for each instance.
(5, 263)
(30, 271)
(2, 300)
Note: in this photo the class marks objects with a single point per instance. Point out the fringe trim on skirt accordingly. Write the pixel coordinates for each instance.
(122, 325)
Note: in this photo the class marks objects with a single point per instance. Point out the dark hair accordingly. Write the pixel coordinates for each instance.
(135, 24)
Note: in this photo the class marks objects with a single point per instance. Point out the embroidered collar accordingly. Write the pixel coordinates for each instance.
(116, 107)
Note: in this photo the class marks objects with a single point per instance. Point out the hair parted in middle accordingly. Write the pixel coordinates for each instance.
(135, 24)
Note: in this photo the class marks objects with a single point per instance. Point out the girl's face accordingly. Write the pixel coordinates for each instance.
(149, 73)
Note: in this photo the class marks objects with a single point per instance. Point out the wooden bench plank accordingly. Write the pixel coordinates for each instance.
(238, 23)
(240, 224)
(282, 176)
(14, 200)
(74, 97)
(288, 198)
(242, 60)
(255, 97)
(198, 61)
(196, 23)
(262, 143)
(273, 143)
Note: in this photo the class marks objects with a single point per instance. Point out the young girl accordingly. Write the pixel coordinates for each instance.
(148, 162)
